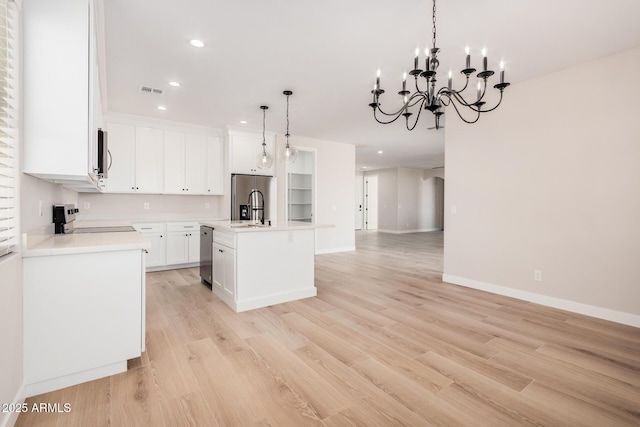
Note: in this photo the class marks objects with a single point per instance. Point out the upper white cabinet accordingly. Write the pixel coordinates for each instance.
(244, 148)
(61, 95)
(160, 161)
(135, 159)
(215, 166)
(149, 164)
(184, 163)
(121, 173)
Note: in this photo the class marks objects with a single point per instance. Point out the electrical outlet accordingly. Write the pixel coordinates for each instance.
(454, 210)
(87, 205)
(537, 275)
(206, 205)
(40, 213)
(146, 205)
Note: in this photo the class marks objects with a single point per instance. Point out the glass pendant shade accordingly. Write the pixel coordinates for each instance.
(264, 160)
(288, 153)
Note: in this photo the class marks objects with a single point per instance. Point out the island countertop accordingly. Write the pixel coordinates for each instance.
(247, 227)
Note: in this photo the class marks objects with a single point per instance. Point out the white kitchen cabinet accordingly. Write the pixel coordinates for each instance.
(215, 166)
(184, 163)
(156, 233)
(121, 173)
(149, 160)
(244, 148)
(83, 317)
(61, 97)
(136, 159)
(224, 269)
(183, 243)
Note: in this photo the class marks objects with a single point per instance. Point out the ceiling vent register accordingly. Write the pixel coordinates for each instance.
(151, 90)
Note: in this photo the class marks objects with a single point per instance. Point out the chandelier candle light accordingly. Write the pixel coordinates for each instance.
(434, 100)
(264, 159)
(288, 152)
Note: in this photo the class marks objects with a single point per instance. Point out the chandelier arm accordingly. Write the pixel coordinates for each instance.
(495, 106)
(397, 113)
(462, 117)
(464, 102)
(417, 116)
(384, 123)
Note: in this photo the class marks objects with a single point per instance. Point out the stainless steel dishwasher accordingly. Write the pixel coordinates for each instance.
(206, 252)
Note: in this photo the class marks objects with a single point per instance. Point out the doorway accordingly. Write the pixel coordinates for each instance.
(439, 203)
(359, 208)
(371, 202)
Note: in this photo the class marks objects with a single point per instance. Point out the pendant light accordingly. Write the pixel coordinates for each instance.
(288, 152)
(264, 159)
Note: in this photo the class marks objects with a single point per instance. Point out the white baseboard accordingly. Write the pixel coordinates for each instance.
(76, 378)
(421, 230)
(563, 304)
(8, 419)
(335, 250)
(294, 295)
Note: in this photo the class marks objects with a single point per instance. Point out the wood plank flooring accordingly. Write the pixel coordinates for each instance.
(385, 343)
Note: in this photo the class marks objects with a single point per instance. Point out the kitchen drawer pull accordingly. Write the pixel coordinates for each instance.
(146, 228)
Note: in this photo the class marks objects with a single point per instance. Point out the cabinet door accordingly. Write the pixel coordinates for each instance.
(174, 162)
(195, 163)
(177, 247)
(218, 265)
(149, 160)
(194, 246)
(215, 166)
(121, 142)
(157, 253)
(244, 151)
(229, 284)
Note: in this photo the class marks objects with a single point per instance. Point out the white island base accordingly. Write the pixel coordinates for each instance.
(258, 267)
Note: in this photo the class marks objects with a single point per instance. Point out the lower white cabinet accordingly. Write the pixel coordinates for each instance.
(172, 243)
(83, 317)
(156, 233)
(224, 264)
(183, 243)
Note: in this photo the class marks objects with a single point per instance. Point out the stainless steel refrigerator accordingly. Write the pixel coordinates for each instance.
(252, 198)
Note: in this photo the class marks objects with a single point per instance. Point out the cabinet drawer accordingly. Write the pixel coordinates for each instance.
(225, 239)
(150, 227)
(183, 226)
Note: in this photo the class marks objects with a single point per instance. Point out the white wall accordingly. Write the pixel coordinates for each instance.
(32, 191)
(549, 181)
(334, 192)
(36, 192)
(407, 199)
(161, 206)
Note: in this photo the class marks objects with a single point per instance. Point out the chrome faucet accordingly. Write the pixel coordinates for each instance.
(253, 207)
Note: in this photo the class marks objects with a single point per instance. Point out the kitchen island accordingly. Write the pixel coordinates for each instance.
(258, 266)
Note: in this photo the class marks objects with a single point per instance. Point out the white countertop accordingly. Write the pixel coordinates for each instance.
(65, 244)
(241, 226)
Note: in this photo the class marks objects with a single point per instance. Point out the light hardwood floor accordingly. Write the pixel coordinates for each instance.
(385, 343)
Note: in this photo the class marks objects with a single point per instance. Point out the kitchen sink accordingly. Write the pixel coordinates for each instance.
(250, 225)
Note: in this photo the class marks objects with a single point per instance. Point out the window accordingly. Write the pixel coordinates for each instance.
(8, 127)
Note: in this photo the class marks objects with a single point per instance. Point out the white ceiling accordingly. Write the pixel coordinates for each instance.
(328, 51)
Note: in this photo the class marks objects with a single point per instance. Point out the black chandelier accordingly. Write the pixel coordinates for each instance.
(434, 100)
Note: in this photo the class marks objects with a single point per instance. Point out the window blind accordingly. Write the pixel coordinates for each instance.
(8, 127)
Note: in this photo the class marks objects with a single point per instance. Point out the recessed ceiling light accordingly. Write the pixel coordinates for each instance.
(174, 84)
(379, 151)
(196, 43)
(162, 108)
(244, 122)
